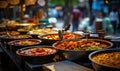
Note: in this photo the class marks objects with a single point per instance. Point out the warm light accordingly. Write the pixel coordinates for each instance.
(106, 1)
(30, 2)
(25, 24)
(24, 9)
(24, 5)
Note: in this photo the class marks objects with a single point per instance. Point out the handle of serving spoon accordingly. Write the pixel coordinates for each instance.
(67, 27)
(60, 34)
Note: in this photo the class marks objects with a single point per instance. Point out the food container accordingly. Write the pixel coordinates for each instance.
(5, 33)
(7, 38)
(106, 60)
(35, 33)
(15, 37)
(9, 33)
(37, 54)
(17, 44)
(80, 48)
(49, 39)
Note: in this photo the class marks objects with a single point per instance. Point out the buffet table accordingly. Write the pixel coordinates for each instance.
(10, 60)
(15, 62)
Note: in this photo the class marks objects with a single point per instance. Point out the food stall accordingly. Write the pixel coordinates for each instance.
(28, 47)
(10, 57)
(72, 52)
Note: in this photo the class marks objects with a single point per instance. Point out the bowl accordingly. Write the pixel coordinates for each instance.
(7, 38)
(24, 42)
(9, 32)
(15, 37)
(106, 60)
(52, 38)
(37, 54)
(80, 48)
(35, 33)
(17, 44)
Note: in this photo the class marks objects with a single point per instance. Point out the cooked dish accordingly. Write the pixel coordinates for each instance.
(17, 36)
(84, 44)
(65, 36)
(37, 52)
(42, 31)
(111, 59)
(10, 33)
(24, 42)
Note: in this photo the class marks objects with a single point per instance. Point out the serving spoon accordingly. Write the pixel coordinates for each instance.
(60, 34)
(67, 27)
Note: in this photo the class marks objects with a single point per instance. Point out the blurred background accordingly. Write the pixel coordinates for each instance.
(81, 14)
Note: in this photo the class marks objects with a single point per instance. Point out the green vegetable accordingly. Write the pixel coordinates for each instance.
(94, 48)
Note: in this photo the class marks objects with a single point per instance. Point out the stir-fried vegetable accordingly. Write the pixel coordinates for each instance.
(37, 52)
(111, 59)
(65, 36)
(94, 48)
(83, 44)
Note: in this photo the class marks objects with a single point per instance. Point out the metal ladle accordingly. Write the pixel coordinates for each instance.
(60, 34)
(67, 27)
